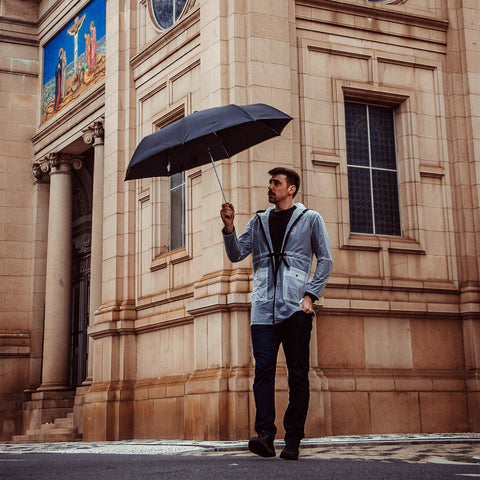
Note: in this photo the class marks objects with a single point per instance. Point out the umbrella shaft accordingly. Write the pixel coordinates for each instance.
(218, 178)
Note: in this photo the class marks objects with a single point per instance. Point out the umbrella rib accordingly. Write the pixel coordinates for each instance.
(221, 143)
(273, 130)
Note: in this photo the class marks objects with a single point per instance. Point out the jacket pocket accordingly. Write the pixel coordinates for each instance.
(260, 285)
(294, 284)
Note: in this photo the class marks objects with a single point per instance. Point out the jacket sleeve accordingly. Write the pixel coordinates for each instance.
(238, 248)
(323, 252)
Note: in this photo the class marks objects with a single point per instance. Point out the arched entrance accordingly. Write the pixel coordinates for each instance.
(81, 254)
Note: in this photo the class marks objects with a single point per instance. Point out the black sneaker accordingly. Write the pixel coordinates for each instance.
(262, 445)
(290, 452)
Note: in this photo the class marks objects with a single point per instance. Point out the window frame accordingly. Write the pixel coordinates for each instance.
(162, 252)
(371, 169)
(172, 190)
(404, 105)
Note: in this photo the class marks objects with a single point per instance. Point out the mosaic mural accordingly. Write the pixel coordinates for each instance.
(74, 59)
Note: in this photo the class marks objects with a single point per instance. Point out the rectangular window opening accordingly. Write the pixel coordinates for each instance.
(372, 169)
(177, 211)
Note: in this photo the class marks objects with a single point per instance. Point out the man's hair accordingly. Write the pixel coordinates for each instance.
(292, 177)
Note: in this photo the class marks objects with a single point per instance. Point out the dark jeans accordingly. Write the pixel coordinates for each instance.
(294, 334)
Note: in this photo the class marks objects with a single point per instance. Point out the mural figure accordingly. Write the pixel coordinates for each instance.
(83, 76)
(93, 46)
(64, 74)
(87, 50)
(58, 80)
(73, 31)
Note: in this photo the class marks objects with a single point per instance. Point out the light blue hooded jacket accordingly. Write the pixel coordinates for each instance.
(275, 301)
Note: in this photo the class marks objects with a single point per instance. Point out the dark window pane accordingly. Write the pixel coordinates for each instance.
(385, 201)
(382, 137)
(176, 180)
(359, 192)
(177, 211)
(179, 4)
(356, 133)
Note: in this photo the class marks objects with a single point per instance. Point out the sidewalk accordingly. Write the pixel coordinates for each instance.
(182, 447)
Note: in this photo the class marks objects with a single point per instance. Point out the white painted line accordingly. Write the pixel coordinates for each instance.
(444, 461)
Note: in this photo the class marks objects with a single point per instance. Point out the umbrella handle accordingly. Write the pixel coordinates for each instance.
(216, 173)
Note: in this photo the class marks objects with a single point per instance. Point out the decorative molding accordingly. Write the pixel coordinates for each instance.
(369, 10)
(154, 327)
(17, 40)
(339, 52)
(325, 159)
(432, 171)
(23, 74)
(54, 160)
(403, 63)
(15, 343)
(95, 133)
(145, 303)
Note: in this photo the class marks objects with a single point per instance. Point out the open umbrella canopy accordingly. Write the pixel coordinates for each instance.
(203, 137)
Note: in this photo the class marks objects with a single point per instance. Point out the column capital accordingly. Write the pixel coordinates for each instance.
(94, 133)
(53, 162)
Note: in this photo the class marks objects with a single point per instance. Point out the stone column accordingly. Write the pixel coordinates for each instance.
(56, 335)
(94, 135)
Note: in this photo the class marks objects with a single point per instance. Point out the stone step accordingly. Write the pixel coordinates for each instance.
(60, 430)
(63, 423)
(47, 438)
(58, 424)
(50, 430)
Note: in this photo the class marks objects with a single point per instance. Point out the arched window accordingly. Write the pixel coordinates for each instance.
(167, 12)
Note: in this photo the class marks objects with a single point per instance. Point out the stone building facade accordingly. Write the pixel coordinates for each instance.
(137, 326)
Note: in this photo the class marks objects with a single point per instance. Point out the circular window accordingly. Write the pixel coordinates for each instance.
(167, 12)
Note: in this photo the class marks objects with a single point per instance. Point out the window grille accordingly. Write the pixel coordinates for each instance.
(372, 169)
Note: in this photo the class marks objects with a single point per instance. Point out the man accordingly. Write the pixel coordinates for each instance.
(282, 241)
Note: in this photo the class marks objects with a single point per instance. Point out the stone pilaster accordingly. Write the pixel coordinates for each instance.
(94, 135)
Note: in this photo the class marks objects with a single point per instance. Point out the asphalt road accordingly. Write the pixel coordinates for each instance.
(323, 463)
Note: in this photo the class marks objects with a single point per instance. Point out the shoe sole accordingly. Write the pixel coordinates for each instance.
(287, 457)
(259, 449)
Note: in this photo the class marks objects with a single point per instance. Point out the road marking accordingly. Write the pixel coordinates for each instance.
(444, 461)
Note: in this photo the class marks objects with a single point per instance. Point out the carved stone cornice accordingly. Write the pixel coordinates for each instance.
(94, 133)
(54, 161)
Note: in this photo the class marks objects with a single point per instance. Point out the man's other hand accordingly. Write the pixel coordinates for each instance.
(227, 213)
(307, 304)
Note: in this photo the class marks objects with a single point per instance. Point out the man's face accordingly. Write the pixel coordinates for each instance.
(278, 189)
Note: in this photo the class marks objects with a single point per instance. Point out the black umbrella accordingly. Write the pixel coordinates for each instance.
(204, 137)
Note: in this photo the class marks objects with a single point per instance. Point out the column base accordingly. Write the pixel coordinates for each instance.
(87, 382)
(54, 387)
